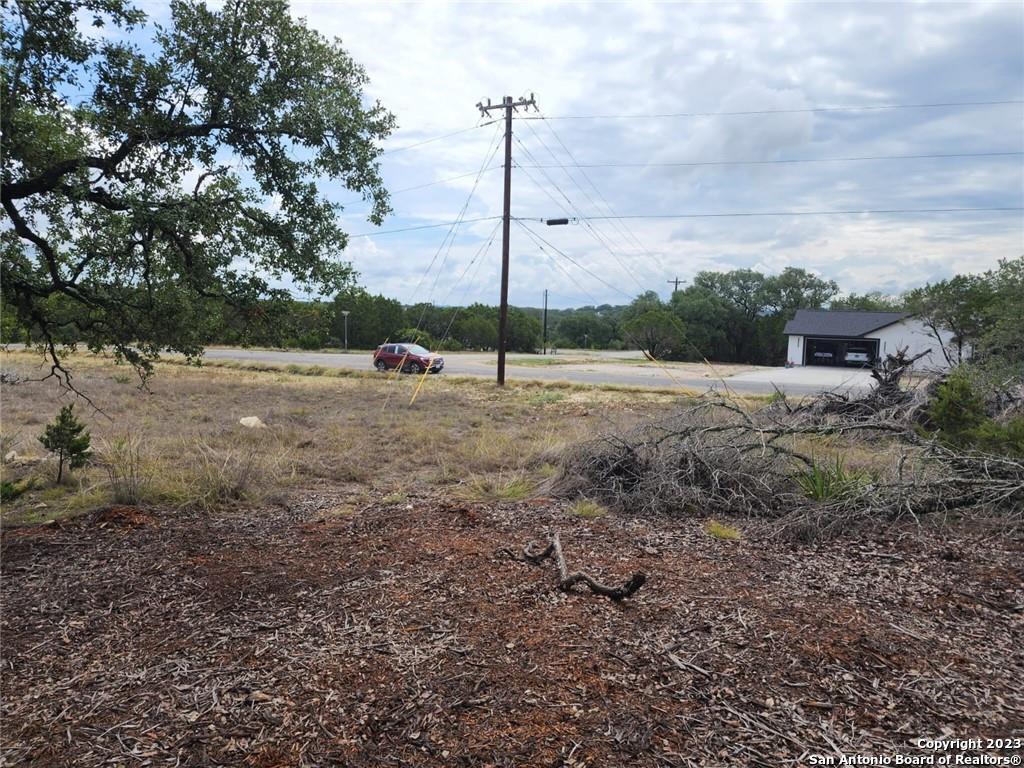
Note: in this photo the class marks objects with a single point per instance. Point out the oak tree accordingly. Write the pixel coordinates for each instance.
(153, 174)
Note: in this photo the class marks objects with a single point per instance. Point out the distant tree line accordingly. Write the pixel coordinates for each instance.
(372, 320)
(739, 316)
(735, 316)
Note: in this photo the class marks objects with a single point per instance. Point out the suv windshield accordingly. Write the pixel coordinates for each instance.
(416, 349)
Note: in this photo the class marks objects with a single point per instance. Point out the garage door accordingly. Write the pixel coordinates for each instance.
(853, 353)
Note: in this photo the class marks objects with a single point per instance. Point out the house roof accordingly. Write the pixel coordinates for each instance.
(849, 323)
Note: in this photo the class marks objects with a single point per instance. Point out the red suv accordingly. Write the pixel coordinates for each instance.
(411, 357)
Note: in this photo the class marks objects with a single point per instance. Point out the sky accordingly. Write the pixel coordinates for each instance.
(619, 83)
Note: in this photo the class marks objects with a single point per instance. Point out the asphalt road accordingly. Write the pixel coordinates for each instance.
(592, 368)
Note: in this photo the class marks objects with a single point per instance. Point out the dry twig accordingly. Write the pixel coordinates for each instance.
(567, 581)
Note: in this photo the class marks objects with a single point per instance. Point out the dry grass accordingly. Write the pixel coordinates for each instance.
(325, 429)
(129, 472)
(504, 486)
(588, 509)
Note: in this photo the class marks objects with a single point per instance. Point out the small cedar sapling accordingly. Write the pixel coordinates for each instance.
(67, 437)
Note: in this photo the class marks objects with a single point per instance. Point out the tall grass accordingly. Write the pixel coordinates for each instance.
(127, 470)
(230, 474)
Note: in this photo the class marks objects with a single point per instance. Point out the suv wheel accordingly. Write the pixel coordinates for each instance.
(380, 365)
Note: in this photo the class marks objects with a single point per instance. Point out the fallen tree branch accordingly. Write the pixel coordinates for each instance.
(717, 456)
(568, 580)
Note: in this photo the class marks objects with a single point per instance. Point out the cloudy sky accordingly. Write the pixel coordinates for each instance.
(634, 122)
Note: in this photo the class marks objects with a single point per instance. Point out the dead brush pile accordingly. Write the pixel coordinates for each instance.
(701, 459)
(715, 457)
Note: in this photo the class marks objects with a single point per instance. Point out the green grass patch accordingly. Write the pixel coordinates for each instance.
(501, 487)
(721, 531)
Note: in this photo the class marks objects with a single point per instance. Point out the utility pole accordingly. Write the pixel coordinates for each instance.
(509, 105)
(545, 348)
(675, 282)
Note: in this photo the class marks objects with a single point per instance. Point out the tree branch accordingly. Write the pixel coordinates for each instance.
(568, 580)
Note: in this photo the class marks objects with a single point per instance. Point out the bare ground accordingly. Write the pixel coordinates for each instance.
(400, 634)
(354, 606)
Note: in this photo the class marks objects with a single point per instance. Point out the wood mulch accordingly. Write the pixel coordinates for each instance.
(404, 635)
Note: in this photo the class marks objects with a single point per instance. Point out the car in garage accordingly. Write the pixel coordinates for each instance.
(411, 358)
(857, 356)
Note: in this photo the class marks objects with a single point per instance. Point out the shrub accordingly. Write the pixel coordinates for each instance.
(67, 437)
(958, 417)
(957, 408)
(1003, 439)
(9, 490)
(310, 340)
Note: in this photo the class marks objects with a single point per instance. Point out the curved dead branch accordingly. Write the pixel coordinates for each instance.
(569, 580)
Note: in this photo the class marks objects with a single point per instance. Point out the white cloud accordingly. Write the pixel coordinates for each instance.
(431, 62)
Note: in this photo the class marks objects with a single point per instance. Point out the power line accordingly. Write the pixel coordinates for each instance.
(565, 272)
(450, 235)
(860, 108)
(623, 228)
(481, 254)
(539, 165)
(558, 203)
(393, 192)
(564, 255)
(478, 259)
(880, 211)
(423, 226)
(435, 138)
(782, 161)
(590, 228)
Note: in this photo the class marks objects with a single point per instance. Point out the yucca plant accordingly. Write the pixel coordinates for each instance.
(823, 482)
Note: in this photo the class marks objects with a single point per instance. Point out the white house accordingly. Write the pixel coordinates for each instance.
(847, 337)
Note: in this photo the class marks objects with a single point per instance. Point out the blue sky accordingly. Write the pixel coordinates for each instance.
(430, 63)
